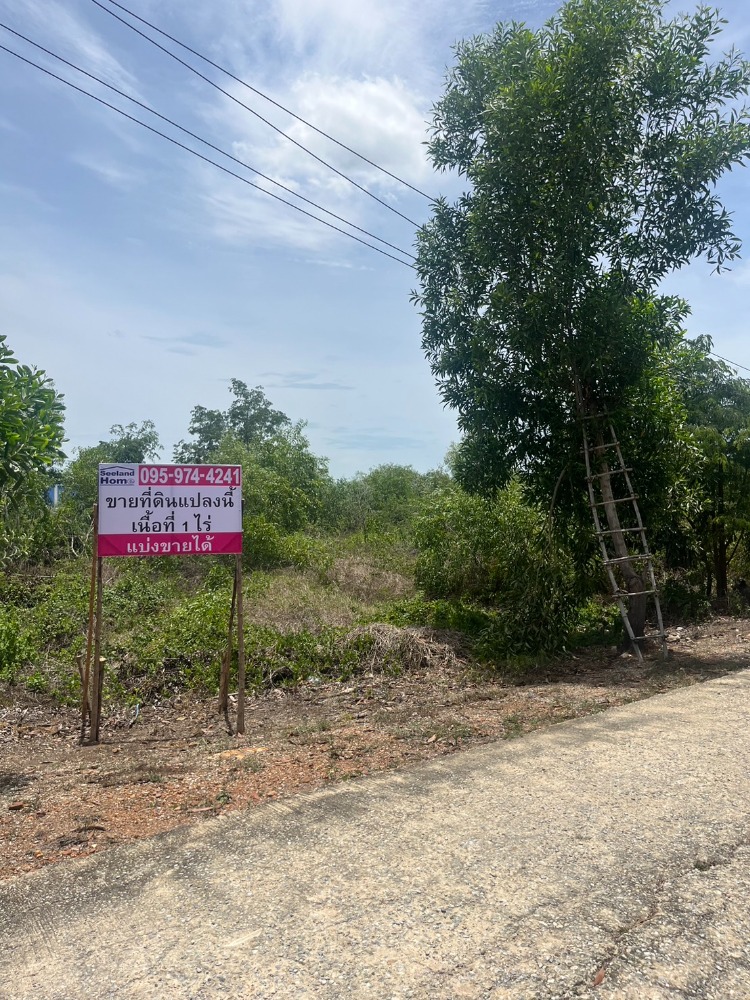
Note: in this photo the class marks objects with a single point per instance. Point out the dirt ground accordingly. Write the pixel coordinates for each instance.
(172, 763)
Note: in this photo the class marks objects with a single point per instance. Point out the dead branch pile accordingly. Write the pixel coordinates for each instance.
(387, 647)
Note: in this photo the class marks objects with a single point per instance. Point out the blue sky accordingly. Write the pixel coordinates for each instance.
(142, 280)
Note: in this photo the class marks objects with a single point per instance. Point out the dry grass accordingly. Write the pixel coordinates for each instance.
(394, 649)
(293, 601)
(352, 590)
(368, 583)
(176, 764)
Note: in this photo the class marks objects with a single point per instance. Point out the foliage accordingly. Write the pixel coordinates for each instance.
(130, 443)
(387, 497)
(266, 547)
(15, 647)
(56, 620)
(501, 552)
(250, 419)
(182, 650)
(28, 525)
(491, 635)
(598, 624)
(282, 481)
(591, 148)
(683, 597)
(31, 433)
(31, 422)
(715, 496)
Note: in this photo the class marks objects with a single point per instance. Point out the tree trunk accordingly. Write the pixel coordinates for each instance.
(633, 580)
(720, 551)
(720, 568)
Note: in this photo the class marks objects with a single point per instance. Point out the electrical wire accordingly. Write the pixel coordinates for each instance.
(734, 364)
(247, 107)
(276, 104)
(205, 142)
(200, 156)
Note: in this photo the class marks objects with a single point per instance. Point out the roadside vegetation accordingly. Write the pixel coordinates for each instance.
(341, 575)
(542, 310)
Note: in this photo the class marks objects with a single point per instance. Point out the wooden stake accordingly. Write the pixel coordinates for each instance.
(240, 651)
(97, 673)
(90, 632)
(226, 663)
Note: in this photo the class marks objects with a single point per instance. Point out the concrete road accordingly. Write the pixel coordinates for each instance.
(613, 849)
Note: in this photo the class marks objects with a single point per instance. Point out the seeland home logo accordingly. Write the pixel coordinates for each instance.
(117, 475)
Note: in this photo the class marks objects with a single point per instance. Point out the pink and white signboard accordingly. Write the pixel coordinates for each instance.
(170, 510)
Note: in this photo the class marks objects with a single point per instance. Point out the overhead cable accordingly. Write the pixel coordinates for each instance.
(212, 83)
(734, 364)
(205, 142)
(200, 156)
(276, 104)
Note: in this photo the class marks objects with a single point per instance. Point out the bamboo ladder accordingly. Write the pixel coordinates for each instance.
(638, 546)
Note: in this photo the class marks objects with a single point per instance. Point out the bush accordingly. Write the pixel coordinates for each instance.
(15, 646)
(385, 499)
(499, 553)
(267, 547)
(598, 624)
(683, 597)
(57, 620)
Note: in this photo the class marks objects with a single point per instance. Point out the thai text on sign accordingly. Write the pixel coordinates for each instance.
(170, 510)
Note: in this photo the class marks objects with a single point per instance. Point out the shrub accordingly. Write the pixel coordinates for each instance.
(499, 553)
(683, 597)
(15, 647)
(182, 647)
(267, 547)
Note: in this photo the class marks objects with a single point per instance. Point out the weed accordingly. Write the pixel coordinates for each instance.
(512, 726)
(37, 683)
(253, 764)
(16, 647)
(318, 726)
(151, 777)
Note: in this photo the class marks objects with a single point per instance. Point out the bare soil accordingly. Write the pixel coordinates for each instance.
(175, 762)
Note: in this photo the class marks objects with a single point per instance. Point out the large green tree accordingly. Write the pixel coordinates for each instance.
(31, 422)
(591, 149)
(714, 500)
(249, 419)
(131, 443)
(31, 435)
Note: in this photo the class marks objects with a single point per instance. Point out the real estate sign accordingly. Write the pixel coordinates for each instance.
(170, 510)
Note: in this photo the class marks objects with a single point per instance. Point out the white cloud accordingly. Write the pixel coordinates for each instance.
(339, 29)
(108, 171)
(247, 217)
(379, 118)
(69, 36)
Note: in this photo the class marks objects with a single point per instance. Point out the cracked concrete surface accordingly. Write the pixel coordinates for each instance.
(615, 845)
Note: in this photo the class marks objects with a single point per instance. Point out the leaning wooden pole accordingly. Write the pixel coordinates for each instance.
(226, 663)
(90, 633)
(97, 672)
(240, 650)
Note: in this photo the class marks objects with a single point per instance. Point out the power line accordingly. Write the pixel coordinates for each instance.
(200, 156)
(247, 107)
(734, 364)
(244, 83)
(205, 142)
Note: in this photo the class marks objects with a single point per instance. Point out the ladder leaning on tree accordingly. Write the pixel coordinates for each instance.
(611, 493)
